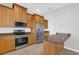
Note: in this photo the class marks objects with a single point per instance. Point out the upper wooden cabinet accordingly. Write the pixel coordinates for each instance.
(1, 17)
(39, 18)
(45, 23)
(28, 19)
(31, 22)
(9, 15)
(19, 13)
(6, 16)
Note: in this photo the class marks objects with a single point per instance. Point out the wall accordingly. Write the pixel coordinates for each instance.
(66, 19)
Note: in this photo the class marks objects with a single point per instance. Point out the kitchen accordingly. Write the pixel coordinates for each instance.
(20, 29)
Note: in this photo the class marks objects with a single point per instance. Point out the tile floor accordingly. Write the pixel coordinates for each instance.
(37, 49)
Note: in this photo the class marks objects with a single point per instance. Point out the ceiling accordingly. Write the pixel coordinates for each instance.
(40, 8)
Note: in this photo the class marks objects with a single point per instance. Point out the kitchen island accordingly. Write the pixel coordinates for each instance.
(54, 44)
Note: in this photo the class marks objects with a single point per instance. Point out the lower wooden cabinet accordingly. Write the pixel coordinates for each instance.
(2, 45)
(31, 39)
(7, 43)
(10, 43)
(50, 48)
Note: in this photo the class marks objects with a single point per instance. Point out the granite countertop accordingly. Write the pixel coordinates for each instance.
(59, 37)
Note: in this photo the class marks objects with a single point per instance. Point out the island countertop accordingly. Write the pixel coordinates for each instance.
(58, 38)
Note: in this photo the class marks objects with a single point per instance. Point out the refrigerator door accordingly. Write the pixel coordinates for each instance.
(39, 33)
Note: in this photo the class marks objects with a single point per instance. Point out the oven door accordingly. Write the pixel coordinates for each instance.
(21, 41)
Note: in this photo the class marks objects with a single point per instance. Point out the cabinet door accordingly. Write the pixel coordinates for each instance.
(4, 17)
(45, 22)
(2, 45)
(11, 19)
(31, 39)
(24, 17)
(19, 13)
(46, 48)
(46, 35)
(39, 19)
(10, 43)
(16, 13)
(1, 21)
(6, 22)
(7, 43)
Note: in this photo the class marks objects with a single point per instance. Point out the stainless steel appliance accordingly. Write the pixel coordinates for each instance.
(39, 32)
(21, 38)
(20, 24)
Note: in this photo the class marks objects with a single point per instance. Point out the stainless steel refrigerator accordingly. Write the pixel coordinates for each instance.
(39, 33)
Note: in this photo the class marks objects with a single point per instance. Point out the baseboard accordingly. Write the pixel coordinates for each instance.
(71, 49)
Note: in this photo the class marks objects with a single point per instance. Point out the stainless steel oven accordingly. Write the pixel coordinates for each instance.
(21, 40)
(21, 37)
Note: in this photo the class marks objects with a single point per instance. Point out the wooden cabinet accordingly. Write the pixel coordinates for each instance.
(7, 43)
(2, 45)
(10, 43)
(28, 19)
(20, 13)
(9, 15)
(50, 48)
(1, 17)
(24, 15)
(46, 48)
(31, 39)
(46, 35)
(11, 18)
(45, 23)
(6, 17)
(38, 18)
(32, 24)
